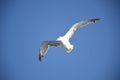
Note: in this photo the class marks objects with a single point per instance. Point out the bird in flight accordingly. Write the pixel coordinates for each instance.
(64, 40)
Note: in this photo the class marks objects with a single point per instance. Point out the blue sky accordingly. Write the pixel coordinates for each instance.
(26, 23)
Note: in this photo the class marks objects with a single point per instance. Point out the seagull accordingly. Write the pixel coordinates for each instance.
(64, 40)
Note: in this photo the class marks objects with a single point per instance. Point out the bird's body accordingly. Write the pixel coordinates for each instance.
(65, 43)
(64, 40)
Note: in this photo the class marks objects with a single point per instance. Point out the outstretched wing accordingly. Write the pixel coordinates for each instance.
(71, 31)
(44, 47)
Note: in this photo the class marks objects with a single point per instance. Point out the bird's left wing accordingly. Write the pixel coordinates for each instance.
(71, 31)
(45, 45)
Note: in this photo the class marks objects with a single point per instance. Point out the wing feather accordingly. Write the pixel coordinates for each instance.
(71, 31)
(44, 47)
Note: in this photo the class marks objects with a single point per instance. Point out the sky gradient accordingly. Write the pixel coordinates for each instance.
(25, 24)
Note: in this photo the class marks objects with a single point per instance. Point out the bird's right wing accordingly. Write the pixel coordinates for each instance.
(44, 47)
(71, 31)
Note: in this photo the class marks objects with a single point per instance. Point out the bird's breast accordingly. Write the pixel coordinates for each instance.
(65, 43)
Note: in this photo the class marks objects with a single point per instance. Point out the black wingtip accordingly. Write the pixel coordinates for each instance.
(40, 57)
(95, 19)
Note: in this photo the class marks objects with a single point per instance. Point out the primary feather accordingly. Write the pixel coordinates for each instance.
(44, 47)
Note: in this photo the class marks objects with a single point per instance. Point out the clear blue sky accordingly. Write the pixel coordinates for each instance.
(26, 23)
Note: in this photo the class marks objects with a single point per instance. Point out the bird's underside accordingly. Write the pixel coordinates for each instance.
(64, 40)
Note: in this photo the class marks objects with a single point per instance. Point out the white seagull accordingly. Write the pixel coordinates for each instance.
(64, 40)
